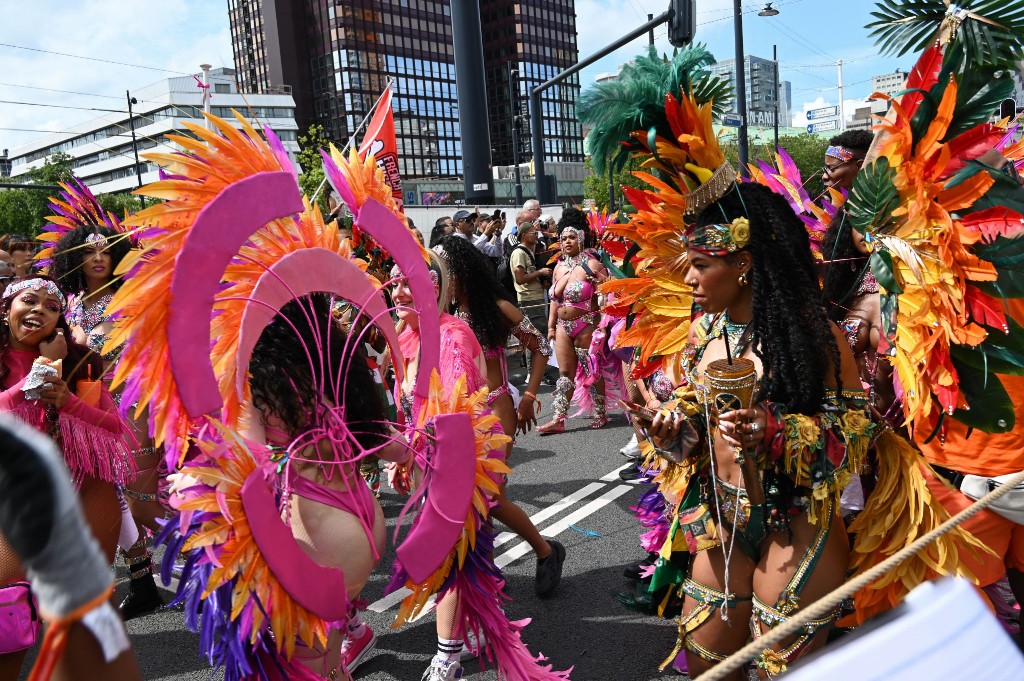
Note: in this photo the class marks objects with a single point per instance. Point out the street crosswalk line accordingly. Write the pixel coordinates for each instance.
(552, 510)
(519, 550)
(614, 475)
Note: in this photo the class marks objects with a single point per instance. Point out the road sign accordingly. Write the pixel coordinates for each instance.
(732, 120)
(824, 112)
(822, 126)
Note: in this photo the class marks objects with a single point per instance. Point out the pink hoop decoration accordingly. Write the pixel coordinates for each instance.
(300, 273)
(450, 488)
(319, 589)
(220, 230)
(386, 228)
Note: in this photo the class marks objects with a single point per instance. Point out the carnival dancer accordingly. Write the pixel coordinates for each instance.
(84, 260)
(480, 300)
(844, 158)
(332, 512)
(44, 376)
(749, 480)
(573, 317)
(465, 624)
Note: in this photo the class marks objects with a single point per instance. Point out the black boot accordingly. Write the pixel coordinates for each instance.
(143, 595)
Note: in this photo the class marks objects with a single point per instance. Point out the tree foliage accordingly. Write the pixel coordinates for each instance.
(311, 164)
(24, 211)
(595, 186)
(808, 151)
(120, 203)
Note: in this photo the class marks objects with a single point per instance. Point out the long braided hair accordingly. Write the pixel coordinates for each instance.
(791, 333)
(844, 267)
(472, 272)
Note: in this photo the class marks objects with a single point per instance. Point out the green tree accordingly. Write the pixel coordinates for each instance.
(808, 152)
(595, 186)
(16, 214)
(120, 203)
(311, 164)
(24, 211)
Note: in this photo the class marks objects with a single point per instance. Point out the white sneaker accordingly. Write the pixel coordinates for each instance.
(470, 645)
(442, 670)
(632, 448)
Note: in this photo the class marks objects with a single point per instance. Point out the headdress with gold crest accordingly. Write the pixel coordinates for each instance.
(659, 111)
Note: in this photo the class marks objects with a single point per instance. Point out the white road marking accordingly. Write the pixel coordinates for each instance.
(522, 548)
(552, 510)
(614, 475)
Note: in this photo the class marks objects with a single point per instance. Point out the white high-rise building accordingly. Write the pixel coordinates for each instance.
(102, 148)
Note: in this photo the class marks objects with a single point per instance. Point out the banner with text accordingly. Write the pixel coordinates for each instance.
(380, 141)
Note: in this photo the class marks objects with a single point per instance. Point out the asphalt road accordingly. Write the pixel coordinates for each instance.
(570, 479)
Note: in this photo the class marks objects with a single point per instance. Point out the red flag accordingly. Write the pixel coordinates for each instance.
(380, 141)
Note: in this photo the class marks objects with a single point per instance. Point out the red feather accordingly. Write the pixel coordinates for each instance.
(923, 76)
(994, 222)
(985, 309)
(970, 145)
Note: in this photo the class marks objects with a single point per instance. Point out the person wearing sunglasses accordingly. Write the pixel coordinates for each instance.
(844, 157)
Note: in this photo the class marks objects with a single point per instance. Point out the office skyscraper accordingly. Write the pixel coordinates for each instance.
(335, 59)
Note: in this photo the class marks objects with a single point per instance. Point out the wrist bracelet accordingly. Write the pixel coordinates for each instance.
(527, 393)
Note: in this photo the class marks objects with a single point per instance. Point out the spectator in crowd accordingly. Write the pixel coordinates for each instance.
(487, 242)
(442, 227)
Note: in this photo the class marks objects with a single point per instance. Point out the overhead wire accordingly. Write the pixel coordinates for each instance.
(96, 59)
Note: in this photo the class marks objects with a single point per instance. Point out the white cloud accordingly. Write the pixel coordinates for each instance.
(176, 35)
(849, 105)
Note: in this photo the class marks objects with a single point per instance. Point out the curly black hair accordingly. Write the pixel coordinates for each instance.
(843, 268)
(854, 140)
(473, 272)
(81, 363)
(792, 334)
(284, 384)
(436, 233)
(69, 254)
(574, 217)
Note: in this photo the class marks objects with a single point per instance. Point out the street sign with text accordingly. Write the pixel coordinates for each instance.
(822, 126)
(732, 120)
(824, 112)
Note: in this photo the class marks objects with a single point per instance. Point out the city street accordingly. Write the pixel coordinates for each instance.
(569, 483)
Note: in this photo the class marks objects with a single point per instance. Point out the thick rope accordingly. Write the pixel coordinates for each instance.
(828, 603)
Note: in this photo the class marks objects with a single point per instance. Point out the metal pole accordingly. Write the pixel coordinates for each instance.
(536, 115)
(650, 36)
(206, 91)
(512, 101)
(611, 189)
(741, 86)
(474, 126)
(775, 57)
(842, 113)
(135, 143)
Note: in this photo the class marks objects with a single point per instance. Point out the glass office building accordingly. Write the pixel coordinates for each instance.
(335, 59)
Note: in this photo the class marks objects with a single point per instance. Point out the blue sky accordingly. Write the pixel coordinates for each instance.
(811, 35)
(172, 37)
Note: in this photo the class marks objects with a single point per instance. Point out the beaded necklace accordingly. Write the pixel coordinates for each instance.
(737, 333)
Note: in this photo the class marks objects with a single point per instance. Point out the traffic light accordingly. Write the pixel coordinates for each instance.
(1007, 109)
(683, 24)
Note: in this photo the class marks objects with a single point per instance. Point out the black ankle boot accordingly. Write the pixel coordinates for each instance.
(143, 595)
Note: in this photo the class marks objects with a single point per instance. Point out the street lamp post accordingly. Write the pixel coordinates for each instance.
(775, 59)
(512, 73)
(741, 86)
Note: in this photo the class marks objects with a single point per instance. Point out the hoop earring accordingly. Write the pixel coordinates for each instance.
(743, 279)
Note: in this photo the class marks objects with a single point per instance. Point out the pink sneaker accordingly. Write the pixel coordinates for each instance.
(355, 650)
